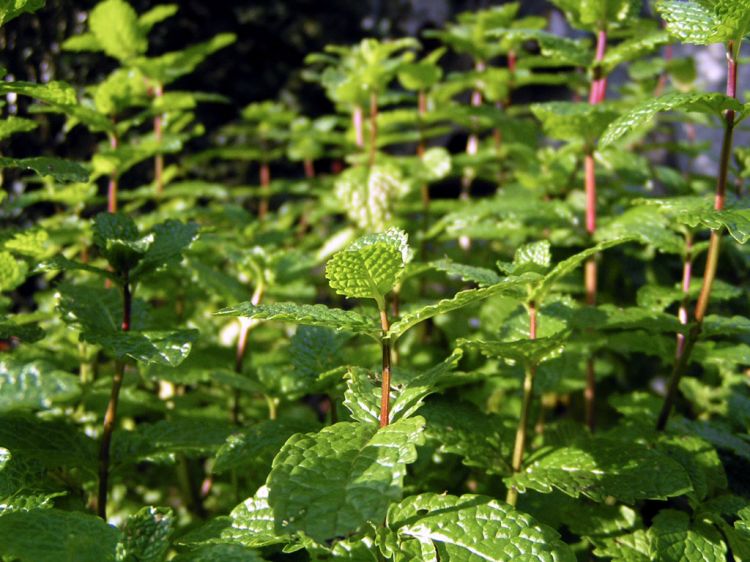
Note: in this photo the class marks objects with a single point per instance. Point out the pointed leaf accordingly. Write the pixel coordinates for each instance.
(114, 23)
(10, 9)
(63, 171)
(145, 536)
(675, 539)
(642, 114)
(309, 314)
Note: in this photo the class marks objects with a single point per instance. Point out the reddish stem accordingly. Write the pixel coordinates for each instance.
(112, 187)
(309, 168)
(357, 123)
(265, 182)
(385, 389)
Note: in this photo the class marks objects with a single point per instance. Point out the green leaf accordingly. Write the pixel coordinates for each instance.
(55, 92)
(35, 385)
(368, 193)
(704, 22)
(701, 462)
(11, 9)
(159, 347)
(595, 15)
(309, 314)
(460, 428)
(601, 467)
(675, 539)
(642, 114)
(155, 15)
(255, 446)
(51, 535)
(12, 271)
(114, 23)
(63, 171)
(145, 536)
(569, 121)
(534, 257)
(330, 483)
(223, 552)
(633, 48)
(459, 300)
(170, 239)
(169, 67)
(53, 444)
(479, 275)
(526, 351)
(471, 528)
(253, 523)
(370, 267)
(570, 264)
(13, 125)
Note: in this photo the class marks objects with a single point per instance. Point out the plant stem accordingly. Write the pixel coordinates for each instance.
(112, 187)
(373, 128)
(712, 256)
(523, 420)
(597, 93)
(385, 389)
(309, 168)
(159, 136)
(472, 147)
(682, 313)
(110, 416)
(425, 188)
(265, 182)
(357, 123)
(242, 337)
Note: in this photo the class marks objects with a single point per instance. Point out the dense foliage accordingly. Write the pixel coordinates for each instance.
(535, 347)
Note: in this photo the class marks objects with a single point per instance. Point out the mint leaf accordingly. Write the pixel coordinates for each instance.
(114, 23)
(63, 171)
(675, 539)
(309, 314)
(704, 22)
(470, 527)
(600, 467)
(146, 534)
(370, 267)
(643, 113)
(51, 535)
(12, 9)
(34, 385)
(329, 483)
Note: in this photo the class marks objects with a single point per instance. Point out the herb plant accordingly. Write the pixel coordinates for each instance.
(483, 335)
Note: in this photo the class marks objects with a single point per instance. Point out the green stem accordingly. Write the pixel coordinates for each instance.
(523, 419)
(110, 416)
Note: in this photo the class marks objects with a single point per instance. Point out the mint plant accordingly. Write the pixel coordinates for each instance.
(282, 346)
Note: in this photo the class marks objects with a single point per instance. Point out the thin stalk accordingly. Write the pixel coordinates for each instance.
(373, 128)
(712, 256)
(472, 147)
(425, 188)
(265, 182)
(523, 419)
(357, 123)
(682, 313)
(110, 416)
(309, 168)
(159, 136)
(597, 93)
(385, 392)
(241, 350)
(112, 187)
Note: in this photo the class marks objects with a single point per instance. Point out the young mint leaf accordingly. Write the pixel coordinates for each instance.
(117, 237)
(643, 113)
(155, 15)
(13, 124)
(159, 347)
(595, 15)
(526, 351)
(570, 121)
(634, 48)
(367, 194)
(309, 314)
(114, 23)
(703, 22)
(701, 462)
(146, 534)
(534, 257)
(473, 527)
(52, 535)
(170, 239)
(35, 385)
(224, 552)
(330, 483)
(370, 267)
(12, 271)
(675, 539)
